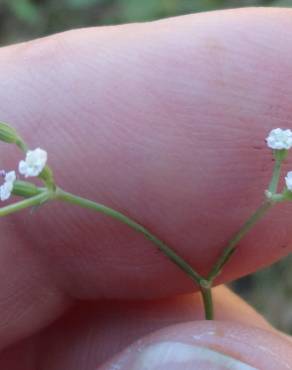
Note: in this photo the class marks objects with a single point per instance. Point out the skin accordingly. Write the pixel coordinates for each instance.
(164, 121)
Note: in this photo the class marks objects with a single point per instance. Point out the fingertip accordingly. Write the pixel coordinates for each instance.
(172, 355)
(221, 345)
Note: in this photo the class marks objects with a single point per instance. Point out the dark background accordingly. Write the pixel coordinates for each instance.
(269, 290)
(26, 19)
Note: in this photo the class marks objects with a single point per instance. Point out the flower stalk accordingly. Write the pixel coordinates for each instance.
(36, 200)
(231, 246)
(206, 293)
(35, 165)
(85, 203)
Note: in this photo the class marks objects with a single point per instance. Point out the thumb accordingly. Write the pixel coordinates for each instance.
(206, 345)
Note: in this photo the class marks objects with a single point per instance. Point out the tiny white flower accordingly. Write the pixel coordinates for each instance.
(7, 186)
(279, 139)
(34, 163)
(10, 176)
(288, 180)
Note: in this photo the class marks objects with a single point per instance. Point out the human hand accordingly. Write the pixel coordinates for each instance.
(164, 121)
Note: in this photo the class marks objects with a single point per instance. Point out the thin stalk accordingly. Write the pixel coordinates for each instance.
(85, 203)
(33, 201)
(276, 175)
(206, 293)
(259, 213)
(230, 249)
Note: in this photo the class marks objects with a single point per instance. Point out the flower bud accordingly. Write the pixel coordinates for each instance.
(9, 135)
(25, 189)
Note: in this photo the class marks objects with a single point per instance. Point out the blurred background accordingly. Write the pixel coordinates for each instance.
(269, 290)
(25, 19)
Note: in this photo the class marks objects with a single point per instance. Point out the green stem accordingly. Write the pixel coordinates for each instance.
(272, 198)
(33, 201)
(85, 203)
(230, 249)
(276, 175)
(206, 293)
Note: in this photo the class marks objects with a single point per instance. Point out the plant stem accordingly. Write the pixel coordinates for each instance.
(280, 155)
(33, 201)
(276, 174)
(85, 203)
(230, 249)
(206, 293)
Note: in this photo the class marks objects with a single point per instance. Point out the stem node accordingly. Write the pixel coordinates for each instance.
(205, 284)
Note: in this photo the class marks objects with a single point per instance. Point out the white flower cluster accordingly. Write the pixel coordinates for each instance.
(279, 139)
(35, 161)
(7, 186)
(288, 180)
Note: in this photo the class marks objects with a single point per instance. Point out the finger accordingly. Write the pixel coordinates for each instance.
(174, 145)
(141, 118)
(104, 329)
(206, 345)
(92, 332)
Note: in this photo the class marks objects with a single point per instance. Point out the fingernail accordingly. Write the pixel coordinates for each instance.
(176, 356)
